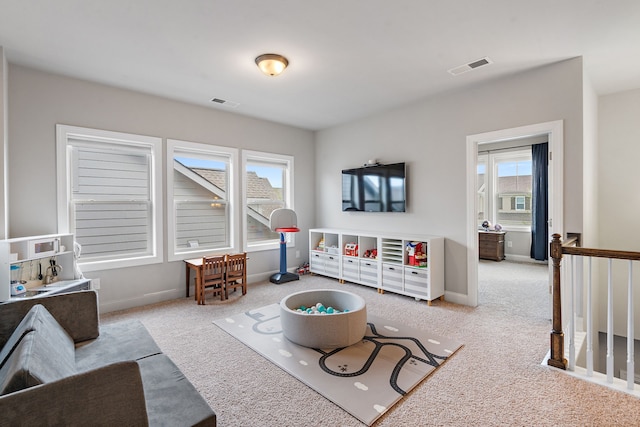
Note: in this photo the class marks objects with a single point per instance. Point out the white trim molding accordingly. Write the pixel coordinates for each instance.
(555, 131)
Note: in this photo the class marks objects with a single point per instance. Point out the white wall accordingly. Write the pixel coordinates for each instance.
(4, 138)
(431, 137)
(618, 196)
(590, 174)
(590, 191)
(39, 100)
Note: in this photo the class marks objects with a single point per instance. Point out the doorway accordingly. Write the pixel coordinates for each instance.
(554, 131)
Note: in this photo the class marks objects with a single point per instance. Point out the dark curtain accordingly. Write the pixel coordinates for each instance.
(539, 202)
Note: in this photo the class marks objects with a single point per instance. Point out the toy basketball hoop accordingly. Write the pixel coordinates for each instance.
(283, 221)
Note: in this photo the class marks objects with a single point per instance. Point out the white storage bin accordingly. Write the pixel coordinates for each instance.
(369, 272)
(416, 281)
(350, 269)
(392, 276)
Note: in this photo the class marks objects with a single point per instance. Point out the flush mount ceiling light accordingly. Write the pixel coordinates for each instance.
(271, 64)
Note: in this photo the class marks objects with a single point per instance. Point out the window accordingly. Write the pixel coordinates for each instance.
(109, 196)
(504, 188)
(268, 185)
(512, 183)
(482, 189)
(200, 191)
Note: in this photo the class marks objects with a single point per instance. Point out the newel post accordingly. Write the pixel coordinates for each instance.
(557, 359)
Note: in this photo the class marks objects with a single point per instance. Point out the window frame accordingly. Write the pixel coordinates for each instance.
(277, 159)
(515, 154)
(485, 189)
(66, 222)
(201, 150)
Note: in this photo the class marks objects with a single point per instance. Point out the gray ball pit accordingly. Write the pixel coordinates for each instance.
(328, 330)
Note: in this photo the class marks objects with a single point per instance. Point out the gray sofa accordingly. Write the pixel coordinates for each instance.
(59, 366)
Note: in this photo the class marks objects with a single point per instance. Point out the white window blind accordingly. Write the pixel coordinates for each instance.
(112, 202)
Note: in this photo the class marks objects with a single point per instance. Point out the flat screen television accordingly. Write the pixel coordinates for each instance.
(375, 188)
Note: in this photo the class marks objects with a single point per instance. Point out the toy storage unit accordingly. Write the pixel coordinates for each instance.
(324, 255)
(411, 265)
(33, 259)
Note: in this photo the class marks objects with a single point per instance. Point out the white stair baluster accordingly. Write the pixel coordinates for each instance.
(630, 332)
(572, 317)
(609, 322)
(589, 324)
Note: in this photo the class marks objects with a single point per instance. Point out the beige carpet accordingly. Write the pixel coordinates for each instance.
(365, 379)
(496, 379)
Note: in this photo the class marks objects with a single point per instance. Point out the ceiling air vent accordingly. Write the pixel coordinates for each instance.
(226, 103)
(470, 66)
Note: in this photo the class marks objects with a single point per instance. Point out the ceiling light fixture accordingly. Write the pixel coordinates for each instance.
(271, 64)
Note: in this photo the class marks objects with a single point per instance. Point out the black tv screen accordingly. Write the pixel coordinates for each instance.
(375, 188)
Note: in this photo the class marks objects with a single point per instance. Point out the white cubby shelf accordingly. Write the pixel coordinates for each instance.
(405, 264)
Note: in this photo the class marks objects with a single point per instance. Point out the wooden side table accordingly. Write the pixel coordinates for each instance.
(193, 264)
(196, 265)
(491, 245)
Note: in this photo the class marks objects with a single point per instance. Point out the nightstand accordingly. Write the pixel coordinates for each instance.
(491, 245)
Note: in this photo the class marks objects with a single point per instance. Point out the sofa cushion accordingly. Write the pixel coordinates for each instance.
(109, 396)
(42, 355)
(76, 312)
(171, 399)
(25, 326)
(127, 340)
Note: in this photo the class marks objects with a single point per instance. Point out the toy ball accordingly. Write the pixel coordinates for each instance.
(318, 308)
(486, 224)
(497, 227)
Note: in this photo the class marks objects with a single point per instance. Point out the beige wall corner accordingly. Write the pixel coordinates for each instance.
(4, 139)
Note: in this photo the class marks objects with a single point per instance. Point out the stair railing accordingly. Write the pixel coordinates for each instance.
(557, 356)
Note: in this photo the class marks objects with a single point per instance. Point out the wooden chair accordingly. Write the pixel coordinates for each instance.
(236, 273)
(212, 278)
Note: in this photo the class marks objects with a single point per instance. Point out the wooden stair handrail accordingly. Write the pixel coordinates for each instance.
(557, 249)
(601, 253)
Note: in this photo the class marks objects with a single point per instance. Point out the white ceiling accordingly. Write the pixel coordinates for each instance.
(348, 58)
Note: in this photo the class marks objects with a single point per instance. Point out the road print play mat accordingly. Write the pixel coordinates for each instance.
(365, 379)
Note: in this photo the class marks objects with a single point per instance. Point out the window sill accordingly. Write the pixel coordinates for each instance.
(517, 229)
(121, 263)
(267, 246)
(181, 256)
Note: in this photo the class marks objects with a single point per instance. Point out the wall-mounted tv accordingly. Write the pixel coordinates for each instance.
(374, 188)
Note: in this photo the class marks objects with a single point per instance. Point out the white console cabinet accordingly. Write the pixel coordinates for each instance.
(384, 261)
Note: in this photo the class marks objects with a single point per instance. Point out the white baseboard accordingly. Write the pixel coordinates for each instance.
(522, 258)
(260, 277)
(176, 293)
(167, 295)
(456, 298)
(623, 376)
(145, 299)
(253, 278)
